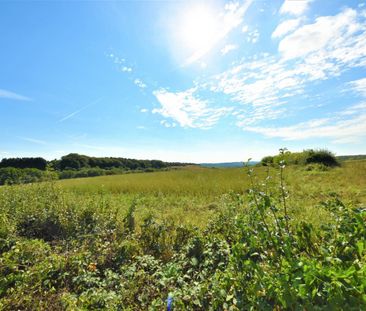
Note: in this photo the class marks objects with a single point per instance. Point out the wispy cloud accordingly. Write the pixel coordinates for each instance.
(264, 87)
(340, 130)
(71, 115)
(126, 69)
(253, 36)
(168, 124)
(265, 84)
(187, 109)
(227, 48)
(139, 83)
(12, 95)
(120, 62)
(294, 7)
(229, 20)
(286, 27)
(340, 38)
(359, 86)
(32, 140)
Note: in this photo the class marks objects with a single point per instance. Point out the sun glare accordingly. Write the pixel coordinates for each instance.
(198, 27)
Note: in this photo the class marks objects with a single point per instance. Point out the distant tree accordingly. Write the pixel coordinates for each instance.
(38, 163)
(321, 156)
(267, 161)
(74, 161)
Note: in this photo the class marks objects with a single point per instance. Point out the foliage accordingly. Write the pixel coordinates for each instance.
(38, 163)
(76, 161)
(306, 157)
(60, 251)
(11, 175)
(352, 157)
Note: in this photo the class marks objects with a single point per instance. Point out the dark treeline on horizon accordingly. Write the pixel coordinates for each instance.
(75, 161)
(38, 163)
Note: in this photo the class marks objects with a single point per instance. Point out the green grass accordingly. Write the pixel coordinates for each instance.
(191, 195)
(208, 235)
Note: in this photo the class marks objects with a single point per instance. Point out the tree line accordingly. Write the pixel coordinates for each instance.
(73, 165)
(75, 161)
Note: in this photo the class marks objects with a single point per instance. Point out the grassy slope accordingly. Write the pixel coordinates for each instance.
(192, 195)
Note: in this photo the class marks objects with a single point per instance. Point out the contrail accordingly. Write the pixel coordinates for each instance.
(80, 110)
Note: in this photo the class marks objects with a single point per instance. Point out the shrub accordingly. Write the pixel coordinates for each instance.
(45, 225)
(11, 175)
(324, 157)
(266, 161)
(305, 157)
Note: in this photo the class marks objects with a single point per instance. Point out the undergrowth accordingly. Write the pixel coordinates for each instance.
(251, 256)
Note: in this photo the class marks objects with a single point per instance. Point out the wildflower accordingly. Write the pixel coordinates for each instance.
(92, 266)
(170, 303)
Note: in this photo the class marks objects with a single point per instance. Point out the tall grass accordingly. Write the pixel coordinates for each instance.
(217, 239)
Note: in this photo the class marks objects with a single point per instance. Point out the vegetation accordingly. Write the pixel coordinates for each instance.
(38, 163)
(77, 161)
(209, 239)
(73, 165)
(306, 157)
(11, 176)
(352, 157)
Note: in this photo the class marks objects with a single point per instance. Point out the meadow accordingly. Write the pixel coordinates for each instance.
(203, 238)
(192, 195)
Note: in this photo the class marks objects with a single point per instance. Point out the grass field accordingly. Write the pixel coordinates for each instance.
(192, 194)
(125, 242)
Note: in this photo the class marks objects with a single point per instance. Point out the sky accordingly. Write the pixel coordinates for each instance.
(191, 81)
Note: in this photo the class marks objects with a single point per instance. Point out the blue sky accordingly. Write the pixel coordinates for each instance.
(189, 81)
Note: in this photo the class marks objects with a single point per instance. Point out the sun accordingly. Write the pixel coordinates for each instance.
(198, 27)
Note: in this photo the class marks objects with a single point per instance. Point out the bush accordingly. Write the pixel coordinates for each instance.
(324, 157)
(46, 226)
(267, 161)
(305, 157)
(11, 175)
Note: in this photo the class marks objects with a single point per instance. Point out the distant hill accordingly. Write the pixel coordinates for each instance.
(227, 164)
(352, 157)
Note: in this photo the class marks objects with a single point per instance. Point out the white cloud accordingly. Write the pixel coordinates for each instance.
(354, 109)
(245, 28)
(228, 21)
(143, 110)
(168, 124)
(253, 36)
(188, 110)
(126, 69)
(11, 95)
(117, 60)
(261, 86)
(359, 86)
(340, 129)
(294, 7)
(227, 48)
(286, 27)
(139, 83)
(340, 37)
(264, 85)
